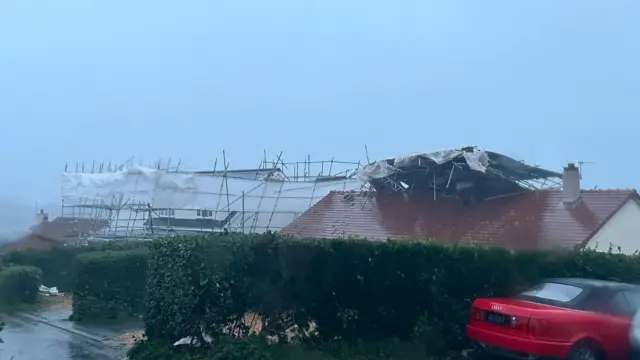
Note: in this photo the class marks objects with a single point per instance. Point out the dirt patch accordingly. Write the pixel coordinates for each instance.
(55, 302)
(130, 338)
(255, 325)
(44, 303)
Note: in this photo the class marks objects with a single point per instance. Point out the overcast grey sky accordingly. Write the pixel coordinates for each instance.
(545, 81)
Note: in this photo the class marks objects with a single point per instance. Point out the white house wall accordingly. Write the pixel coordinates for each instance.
(267, 205)
(622, 230)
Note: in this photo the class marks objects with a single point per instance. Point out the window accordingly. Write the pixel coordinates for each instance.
(553, 292)
(634, 299)
(204, 213)
(625, 302)
(166, 212)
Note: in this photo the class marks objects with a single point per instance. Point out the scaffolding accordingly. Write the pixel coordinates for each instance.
(136, 201)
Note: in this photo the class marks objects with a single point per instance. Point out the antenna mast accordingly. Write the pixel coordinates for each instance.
(580, 163)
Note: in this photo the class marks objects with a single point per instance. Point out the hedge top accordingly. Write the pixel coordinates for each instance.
(351, 289)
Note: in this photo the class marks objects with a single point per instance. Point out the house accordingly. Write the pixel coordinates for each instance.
(61, 231)
(30, 242)
(203, 223)
(565, 217)
(143, 202)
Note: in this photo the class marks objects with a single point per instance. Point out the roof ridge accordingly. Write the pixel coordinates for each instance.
(629, 190)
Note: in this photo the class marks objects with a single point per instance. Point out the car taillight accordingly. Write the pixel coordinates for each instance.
(476, 314)
(519, 323)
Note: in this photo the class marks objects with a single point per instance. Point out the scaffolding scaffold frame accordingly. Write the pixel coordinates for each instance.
(135, 201)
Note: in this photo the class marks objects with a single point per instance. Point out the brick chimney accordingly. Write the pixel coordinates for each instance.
(570, 184)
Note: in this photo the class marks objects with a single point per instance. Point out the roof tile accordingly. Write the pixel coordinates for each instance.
(64, 227)
(536, 219)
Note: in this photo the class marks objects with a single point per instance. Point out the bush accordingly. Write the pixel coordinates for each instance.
(253, 348)
(19, 284)
(58, 265)
(354, 290)
(257, 348)
(110, 284)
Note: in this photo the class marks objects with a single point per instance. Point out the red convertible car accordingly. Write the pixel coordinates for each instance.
(573, 319)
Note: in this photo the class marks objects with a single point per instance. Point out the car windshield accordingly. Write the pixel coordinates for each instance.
(554, 292)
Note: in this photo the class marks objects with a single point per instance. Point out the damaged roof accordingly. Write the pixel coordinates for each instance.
(468, 173)
(527, 220)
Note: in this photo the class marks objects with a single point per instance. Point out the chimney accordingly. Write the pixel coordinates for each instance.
(570, 184)
(42, 217)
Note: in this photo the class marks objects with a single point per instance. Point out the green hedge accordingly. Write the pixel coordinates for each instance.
(58, 265)
(19, 284)
(354, 290)
(257, 348)
(110, 284)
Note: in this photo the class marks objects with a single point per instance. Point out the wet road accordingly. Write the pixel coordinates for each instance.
(50, 336)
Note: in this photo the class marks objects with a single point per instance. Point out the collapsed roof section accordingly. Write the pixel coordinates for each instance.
(468, 173)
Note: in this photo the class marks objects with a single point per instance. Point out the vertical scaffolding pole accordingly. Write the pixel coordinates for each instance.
(275, 204)
(243, 211)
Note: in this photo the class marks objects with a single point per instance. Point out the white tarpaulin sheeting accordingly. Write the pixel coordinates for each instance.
(439, 157)
(477, 160)
(273, 203)
(376, 170)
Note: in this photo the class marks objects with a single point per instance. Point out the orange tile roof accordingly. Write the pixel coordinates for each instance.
(63, 227)
(30, 242)
(530, 220)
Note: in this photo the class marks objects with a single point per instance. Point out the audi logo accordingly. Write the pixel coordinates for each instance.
(496, 307)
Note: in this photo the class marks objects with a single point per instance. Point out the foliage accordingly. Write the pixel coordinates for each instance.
(257, 348)
(109, 284)
(58, 265)
(253, 348)
(358, 291)
(189, 286)
(19, 284)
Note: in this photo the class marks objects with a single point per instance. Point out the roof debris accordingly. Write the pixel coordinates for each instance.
(468, 173)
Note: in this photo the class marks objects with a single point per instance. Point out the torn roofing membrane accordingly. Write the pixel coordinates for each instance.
(468, 173)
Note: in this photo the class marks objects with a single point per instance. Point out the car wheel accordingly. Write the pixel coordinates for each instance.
(584, 351)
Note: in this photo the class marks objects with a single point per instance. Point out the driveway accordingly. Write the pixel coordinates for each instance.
(48, 335)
